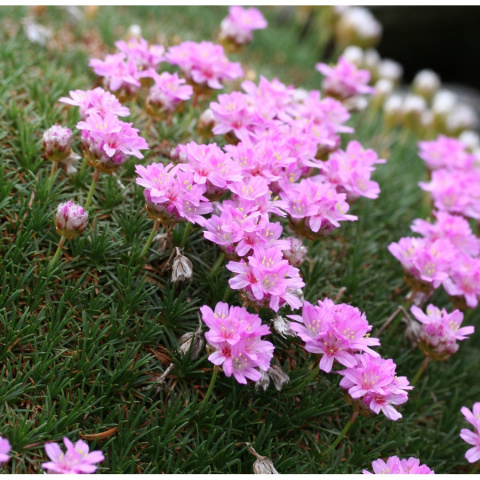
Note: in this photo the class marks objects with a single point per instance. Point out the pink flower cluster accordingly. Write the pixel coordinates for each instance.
(399, 466)
(448, 255)
(344, 80)
(455, 176)
(76, 459)
(239, 24)
(4, 450)
(341, 333)
(472, 438)
(440, 331)
(236, 335)
(204, 63)
(124, 71)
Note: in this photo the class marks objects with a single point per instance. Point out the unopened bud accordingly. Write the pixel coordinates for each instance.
(134, 31)
(357, 26)
(262, 465)
(392, 110)
(383, 88)
(205, 124)
(278, 376)
(70, 163)
(297, 252)
(282, 326)
(70, 220)
(354, 55)
(390, 70)
(356, 103)
(470, 139)
(414, 107)
(182, 268)
(371, 61)
(426, 83)
(462, 117)
(443, 102)
(57, 143)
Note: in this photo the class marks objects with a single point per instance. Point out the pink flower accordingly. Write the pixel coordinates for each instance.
(441, 330)
(472, 438)
(95, 101)
(236, 335)
(108, 142)
(240, 23)
(76, 459)
(4, 450)
(464, 279)
(204, 63)
(395, 465)
(57, 143)
(70, 220)
(138, 50)
(168, 93)
(344, 80)
(445, 152)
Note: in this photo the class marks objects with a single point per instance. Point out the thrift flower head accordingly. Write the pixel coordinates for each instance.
(144, 56)
(238, 26)
(204, 63)
(472, 438)
(167, 95)
(395, 465)
(4, 450)
(76, 459)
(108, 142)
(336, 332)
(344, 80)
(464, 279)
(445, 152)
(440, 331)
(70, 220)
(236, 335)
(95, 101)
(57, 143)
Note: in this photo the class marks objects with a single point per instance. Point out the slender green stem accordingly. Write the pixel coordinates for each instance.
(186, 232)
(83, 167)
(57, 253)
(475, 468)
(227, 293)
(342, 433)
(422, 368)
(217, 265)
(96, 174)
(52, 175)
(212, 384)
(156, 225)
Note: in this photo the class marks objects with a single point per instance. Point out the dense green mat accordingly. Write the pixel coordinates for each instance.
(80, 347)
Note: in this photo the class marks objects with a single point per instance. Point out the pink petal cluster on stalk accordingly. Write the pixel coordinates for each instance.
(469, 436)
(344, 80)
(204, 63)
(76, 459)
(71, 219)
(440, 331)
(240, 23)
(57, 143)
(448, 253)
(4, 450)
(399, 466)
(236, 336)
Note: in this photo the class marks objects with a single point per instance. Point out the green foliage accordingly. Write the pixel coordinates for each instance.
(81, 346)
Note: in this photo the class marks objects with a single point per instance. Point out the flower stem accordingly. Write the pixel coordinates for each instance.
(186, 232)
(53, 261)
(212, 384)
(156, 225)
(217, 265)
(52, 175)
(475, 468)
(343, 432)
(83, 167)
(422, 368)
(96, 174)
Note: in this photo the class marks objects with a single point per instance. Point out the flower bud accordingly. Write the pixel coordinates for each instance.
(356, 103)
(70, 163)
(392, 110)
(470, 139)
(354, 55)
(182, 268)
(263, 465)
(134, 31)
(297, 252)
(357, 26)
(57, 143)
(414, 107)
(70, 220)
(426, 83)
(371, 61)
(205, 124)
(462, 117)
(383, 88)
(390, 70)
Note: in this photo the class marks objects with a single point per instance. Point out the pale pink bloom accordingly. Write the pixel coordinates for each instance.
(472, 438)
(344, 80)
(4, 450)
(95, 101)
(143, 55)
(395, 465)
(240, 23)
(168, 92)
(445, 152)
(76, 459)
(464, 279)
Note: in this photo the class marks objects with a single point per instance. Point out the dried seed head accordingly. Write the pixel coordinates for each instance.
(70, 163)
(192, 342)
(282, 326)
(278, 376)
(162, 240)
(205, 124)
(182, 267)
(264, 381)
(262, 465)
(413, 330)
